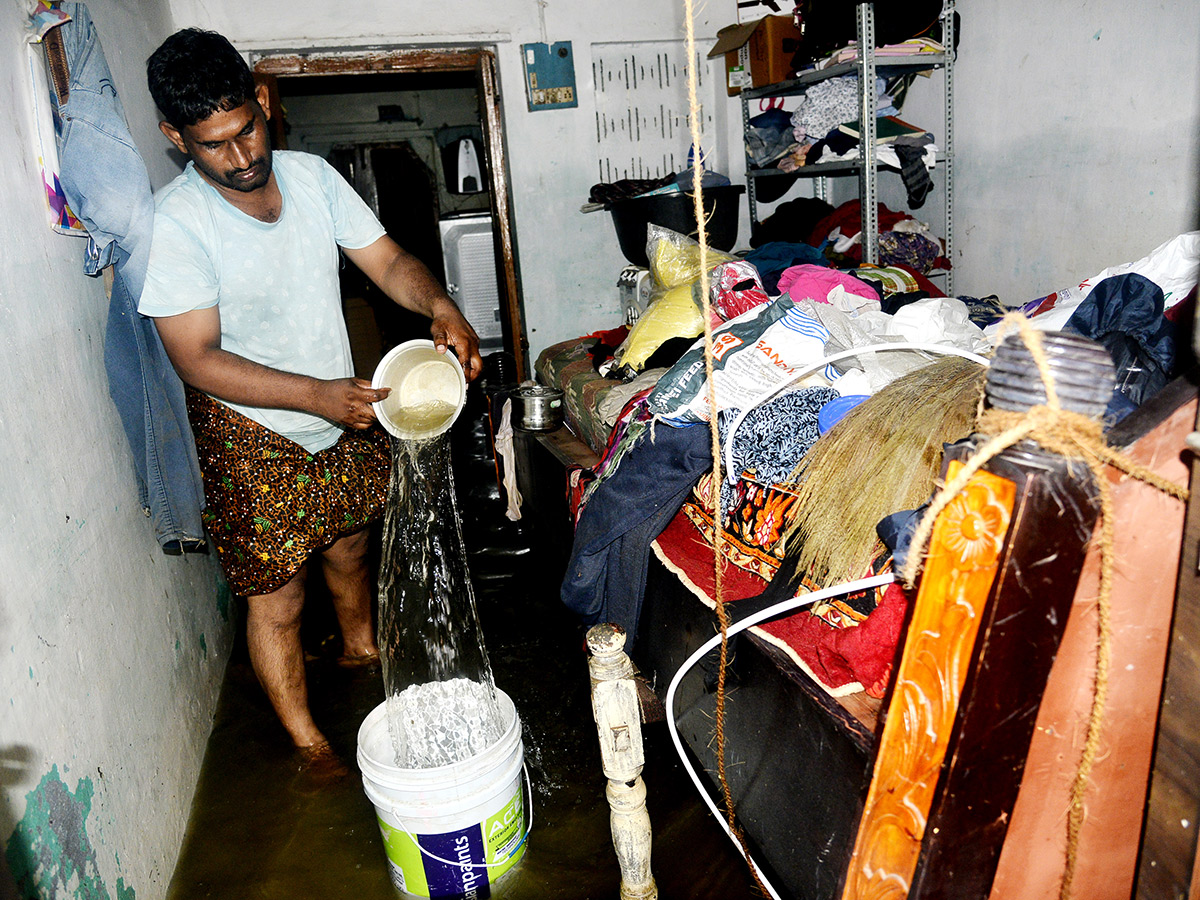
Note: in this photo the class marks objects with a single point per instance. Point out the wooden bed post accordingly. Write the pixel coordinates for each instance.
(619, 725)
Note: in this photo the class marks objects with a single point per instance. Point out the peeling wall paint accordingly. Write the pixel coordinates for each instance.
(50, 855)
(224, 599)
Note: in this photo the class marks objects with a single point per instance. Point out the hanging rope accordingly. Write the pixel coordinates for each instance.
(1072, 436)
(694, 119)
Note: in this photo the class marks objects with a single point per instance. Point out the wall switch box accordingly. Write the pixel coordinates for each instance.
(549, 75)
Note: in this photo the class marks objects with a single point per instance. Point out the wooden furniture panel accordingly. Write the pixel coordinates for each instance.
(1167, 865)
(1148, 529)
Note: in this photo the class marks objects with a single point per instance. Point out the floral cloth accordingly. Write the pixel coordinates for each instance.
(271, 503)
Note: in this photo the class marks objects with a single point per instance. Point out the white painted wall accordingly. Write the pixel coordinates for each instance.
(1078, 127)
(1077, 139)
(110, 652)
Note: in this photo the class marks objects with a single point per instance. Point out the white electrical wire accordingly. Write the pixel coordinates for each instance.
(849, 587)
(732, 476)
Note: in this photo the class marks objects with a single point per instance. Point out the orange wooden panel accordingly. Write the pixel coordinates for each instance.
(964, 557)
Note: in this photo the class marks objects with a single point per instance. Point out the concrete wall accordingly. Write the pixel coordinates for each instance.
(1078, 138)
(1077, 141)
(111, 653)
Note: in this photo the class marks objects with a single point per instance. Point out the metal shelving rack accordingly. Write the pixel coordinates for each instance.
(867, 167)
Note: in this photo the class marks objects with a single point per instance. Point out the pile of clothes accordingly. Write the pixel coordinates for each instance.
(780, 355)
(824, 127)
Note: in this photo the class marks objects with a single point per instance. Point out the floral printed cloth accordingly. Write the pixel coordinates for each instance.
(270, 503)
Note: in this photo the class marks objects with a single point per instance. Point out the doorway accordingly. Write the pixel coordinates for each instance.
(390, 120)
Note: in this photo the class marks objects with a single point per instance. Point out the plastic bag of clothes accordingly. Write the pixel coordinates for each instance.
(1174, 266)
(736, 288)
(673, 311)
(751, 354)
(675, 258)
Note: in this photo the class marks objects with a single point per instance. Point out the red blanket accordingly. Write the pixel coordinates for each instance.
(843, 652)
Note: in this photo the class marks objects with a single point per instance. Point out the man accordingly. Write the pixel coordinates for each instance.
(243, 288)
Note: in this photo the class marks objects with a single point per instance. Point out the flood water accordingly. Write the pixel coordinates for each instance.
(441, 696)
(258, 831)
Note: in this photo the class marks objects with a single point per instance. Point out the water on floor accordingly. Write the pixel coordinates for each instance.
(259, 832)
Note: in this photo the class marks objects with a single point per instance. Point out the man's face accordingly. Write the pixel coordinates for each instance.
(231, 149)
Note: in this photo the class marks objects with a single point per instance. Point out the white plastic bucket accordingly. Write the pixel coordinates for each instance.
(429, 390)
(449, 831)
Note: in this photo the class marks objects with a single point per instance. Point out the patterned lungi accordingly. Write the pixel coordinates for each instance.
(271, 503)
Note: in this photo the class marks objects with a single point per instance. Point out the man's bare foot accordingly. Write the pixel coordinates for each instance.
(318, 767)
(370, 659)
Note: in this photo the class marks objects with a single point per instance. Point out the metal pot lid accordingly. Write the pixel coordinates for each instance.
(537, 391)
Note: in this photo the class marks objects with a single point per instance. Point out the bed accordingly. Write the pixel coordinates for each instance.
(806, 718)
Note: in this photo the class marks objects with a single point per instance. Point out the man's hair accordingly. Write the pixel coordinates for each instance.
(195, 73)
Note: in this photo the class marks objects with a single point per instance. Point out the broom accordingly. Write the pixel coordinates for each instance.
(882, 457)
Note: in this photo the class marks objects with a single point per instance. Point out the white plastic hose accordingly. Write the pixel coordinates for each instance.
(849, 587)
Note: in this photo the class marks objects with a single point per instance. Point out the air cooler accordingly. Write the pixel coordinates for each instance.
(470, 257)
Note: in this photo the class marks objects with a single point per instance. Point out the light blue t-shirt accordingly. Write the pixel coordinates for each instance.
(276, 282)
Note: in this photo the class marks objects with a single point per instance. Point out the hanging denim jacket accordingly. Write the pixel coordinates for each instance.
(106, 184)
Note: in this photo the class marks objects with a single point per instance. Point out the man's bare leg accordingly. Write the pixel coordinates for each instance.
(344, 564)
(273, 636)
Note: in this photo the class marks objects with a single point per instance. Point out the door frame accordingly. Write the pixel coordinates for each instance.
(481, 61)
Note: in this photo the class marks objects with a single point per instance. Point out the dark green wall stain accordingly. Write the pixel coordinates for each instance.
(49, 853)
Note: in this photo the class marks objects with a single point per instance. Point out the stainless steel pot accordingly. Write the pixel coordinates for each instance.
(537, 408)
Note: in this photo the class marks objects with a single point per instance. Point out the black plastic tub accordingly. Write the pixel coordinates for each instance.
(722, 207)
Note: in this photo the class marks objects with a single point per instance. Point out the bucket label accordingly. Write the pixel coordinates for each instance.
(471, 858)
(505, 831)
(464, 875)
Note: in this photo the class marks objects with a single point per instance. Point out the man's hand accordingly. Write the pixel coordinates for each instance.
(347, 401)
(193, 343)
(451, 329)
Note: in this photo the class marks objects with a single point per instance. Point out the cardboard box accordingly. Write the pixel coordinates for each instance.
(753, 10)
(757, 53)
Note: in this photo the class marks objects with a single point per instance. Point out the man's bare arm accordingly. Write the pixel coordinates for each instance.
(407, 281)
(193, 344)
